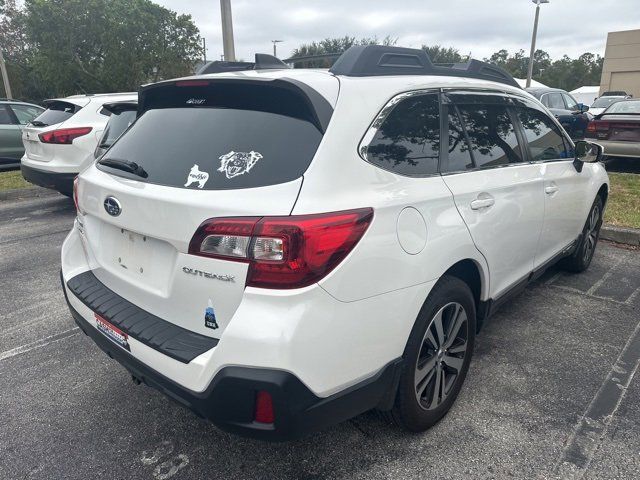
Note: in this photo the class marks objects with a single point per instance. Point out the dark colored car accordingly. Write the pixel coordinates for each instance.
(617, 129)
(14, 115)
(571, 114)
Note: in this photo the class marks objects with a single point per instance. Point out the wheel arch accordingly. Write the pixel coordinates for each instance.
(603, 193)
(476, 277)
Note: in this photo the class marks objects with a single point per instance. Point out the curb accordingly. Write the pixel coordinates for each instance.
(628, 236)
(28, 192)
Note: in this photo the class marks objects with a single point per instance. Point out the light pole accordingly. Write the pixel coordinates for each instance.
(274, 46)
(533, 39)
(227, 31)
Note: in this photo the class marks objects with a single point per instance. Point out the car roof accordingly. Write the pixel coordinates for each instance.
(19, 102)
(541, 90)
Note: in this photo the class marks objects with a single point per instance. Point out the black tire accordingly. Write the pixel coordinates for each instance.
(411, 409)
(580, 260)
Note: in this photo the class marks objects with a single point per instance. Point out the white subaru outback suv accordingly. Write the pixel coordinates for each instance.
(60, 142)
(280, 250)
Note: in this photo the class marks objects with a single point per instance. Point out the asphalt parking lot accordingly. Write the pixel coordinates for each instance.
(551, 392)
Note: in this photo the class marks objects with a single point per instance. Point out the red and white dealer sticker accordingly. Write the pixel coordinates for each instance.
(112, 332)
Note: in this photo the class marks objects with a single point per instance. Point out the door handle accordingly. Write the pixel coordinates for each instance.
(483, 202)
(551, 189)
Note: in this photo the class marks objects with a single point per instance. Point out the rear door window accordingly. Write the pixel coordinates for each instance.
(5, 115)
(492, 135)
(408, 140)
(56, 112)
(458, 151)
(543, 136)
(219, 137)
(554, 100)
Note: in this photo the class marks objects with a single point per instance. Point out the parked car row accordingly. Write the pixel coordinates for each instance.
(280, 250)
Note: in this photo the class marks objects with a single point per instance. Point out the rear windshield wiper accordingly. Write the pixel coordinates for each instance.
(124, 165)
(38, 123)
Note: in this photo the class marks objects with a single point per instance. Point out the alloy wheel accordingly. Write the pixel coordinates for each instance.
(441, 356)
(592, 233)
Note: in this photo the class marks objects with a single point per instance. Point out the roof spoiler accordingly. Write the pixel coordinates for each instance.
(262, 61)
(119, 107)
(380, 60)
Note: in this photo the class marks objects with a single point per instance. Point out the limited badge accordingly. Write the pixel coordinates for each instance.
(210, 317)
(238, 163)
(196, 176)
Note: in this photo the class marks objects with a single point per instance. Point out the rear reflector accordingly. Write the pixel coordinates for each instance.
(64, 136)
(283, 252)
(264, 408)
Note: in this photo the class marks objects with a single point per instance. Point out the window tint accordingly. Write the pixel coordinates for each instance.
(224, 148)
(57, 112)
(26, 113)
(458, 149)
(408, 141)
(491, 134)
(553, 100)
(542, 134)
(571, 103)
(5, 116)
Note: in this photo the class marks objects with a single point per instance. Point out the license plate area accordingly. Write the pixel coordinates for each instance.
(112, 332)
(132, 253)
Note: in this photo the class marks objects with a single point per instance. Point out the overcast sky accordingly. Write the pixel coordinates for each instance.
(481, 27)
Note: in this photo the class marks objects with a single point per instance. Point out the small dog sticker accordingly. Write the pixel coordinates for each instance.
(238, 163)
(195, 175)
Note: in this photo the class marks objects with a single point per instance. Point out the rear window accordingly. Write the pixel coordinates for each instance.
(116, 126)
(632, 107)
(220, 137)
(56, 112)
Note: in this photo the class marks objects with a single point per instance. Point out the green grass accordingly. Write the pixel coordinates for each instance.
(11, 180)
(623, 208)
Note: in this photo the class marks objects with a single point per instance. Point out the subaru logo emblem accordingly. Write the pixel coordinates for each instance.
(112, 206)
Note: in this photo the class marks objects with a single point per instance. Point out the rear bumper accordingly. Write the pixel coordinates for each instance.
(62, 182)
(229, 400)
(619, 149)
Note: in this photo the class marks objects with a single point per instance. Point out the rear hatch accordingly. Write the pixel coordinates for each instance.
(198, 150)
(58, 111)
(624, 128)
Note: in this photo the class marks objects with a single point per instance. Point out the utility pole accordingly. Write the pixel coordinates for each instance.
(204, 49)
(5, 77)
(274, 46)
(227, 31)
(533, 40)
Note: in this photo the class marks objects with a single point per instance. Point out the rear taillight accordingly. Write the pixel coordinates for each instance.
(283, 252)
(64, 136)
(597, 129)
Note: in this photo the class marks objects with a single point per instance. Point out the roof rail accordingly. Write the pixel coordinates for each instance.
(263, 61)
(378, 60)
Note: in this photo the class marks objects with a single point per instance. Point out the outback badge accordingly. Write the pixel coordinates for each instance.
(210, 316)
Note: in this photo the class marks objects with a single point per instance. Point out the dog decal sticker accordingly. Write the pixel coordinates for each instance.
(238, 163)
(195, 175)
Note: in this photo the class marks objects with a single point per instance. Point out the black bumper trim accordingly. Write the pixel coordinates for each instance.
(161, 335)
(229, 400)
(62, 182)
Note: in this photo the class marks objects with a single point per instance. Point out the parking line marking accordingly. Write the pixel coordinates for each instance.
(594, 423)
(43, 342)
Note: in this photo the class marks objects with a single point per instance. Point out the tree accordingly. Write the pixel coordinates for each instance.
(565, 73)
(92, 46)
(332, 45)
(439, 54)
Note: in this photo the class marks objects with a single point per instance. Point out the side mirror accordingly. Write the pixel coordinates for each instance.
(588, 152)
(583, 108)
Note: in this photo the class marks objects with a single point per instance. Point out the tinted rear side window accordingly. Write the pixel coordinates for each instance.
(542, 135)
(458, 150)
(492, 135)
(250, 137)
(116, 126)
(56, 112)
(408, 140)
